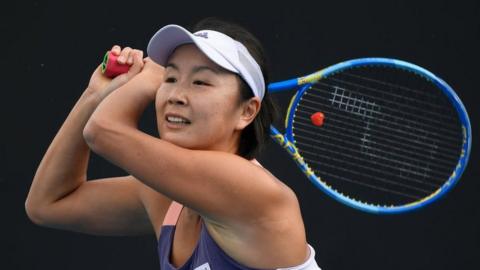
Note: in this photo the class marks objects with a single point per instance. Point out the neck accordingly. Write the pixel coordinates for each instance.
(233, 143)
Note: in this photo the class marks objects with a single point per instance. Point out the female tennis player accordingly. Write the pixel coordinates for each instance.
(197, 187)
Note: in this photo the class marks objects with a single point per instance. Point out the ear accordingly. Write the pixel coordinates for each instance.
(249, 110)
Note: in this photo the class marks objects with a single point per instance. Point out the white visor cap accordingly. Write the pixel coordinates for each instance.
(218, 47)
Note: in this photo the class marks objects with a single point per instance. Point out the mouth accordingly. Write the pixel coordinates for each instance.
(177, 119)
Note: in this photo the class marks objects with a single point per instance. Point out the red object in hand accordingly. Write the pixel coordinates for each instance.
(111, 68)
(317, 118)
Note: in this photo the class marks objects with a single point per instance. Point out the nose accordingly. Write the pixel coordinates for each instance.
(177, 97)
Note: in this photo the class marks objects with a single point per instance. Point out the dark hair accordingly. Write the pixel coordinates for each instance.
(257, 133)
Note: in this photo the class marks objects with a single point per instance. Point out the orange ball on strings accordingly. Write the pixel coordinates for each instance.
(317, 118)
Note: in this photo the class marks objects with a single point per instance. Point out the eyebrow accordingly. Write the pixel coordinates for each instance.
(196, 69)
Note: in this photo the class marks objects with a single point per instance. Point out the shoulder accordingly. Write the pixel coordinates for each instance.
(282, 189)
(275, 231)
(272, 200)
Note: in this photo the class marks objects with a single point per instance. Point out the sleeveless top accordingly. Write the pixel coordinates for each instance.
(207, 255)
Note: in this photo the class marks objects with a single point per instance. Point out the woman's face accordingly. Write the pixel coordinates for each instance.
(197, 105)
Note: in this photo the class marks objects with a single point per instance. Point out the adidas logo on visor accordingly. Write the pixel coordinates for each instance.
(201, 34)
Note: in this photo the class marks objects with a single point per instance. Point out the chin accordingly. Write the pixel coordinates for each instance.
(178, 140)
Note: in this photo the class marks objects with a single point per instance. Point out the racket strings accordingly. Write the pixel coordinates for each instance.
(418, 146)
(346, 144)
(340, 154)
(420, 192)
(410, 94)
(373, 187)
(379, 135)
(428, 185)
(406, 109)
(392, 85)
(386, 130)
(397, 96)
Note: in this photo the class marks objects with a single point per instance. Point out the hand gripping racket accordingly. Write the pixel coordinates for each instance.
(380, 135)
(111, 68)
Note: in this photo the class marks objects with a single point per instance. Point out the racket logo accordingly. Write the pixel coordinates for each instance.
(310, 78)
(294, 152)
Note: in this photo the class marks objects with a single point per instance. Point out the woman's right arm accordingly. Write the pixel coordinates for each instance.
(60, 195)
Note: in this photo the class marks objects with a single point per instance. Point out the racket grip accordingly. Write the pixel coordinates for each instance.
(111, 68)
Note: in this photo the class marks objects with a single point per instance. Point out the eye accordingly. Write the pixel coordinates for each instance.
(171, 80)
(199, 82)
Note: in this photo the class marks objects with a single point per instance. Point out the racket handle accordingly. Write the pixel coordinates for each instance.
(111, 68)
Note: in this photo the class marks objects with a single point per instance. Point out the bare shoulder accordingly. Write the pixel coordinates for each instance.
(284, 190)
(278, 233)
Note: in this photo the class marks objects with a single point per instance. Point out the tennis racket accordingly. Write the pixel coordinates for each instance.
(380, 135)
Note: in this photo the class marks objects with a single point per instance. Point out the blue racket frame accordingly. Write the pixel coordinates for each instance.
(303, 84)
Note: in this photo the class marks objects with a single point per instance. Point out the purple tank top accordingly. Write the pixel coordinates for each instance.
(207, 255)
